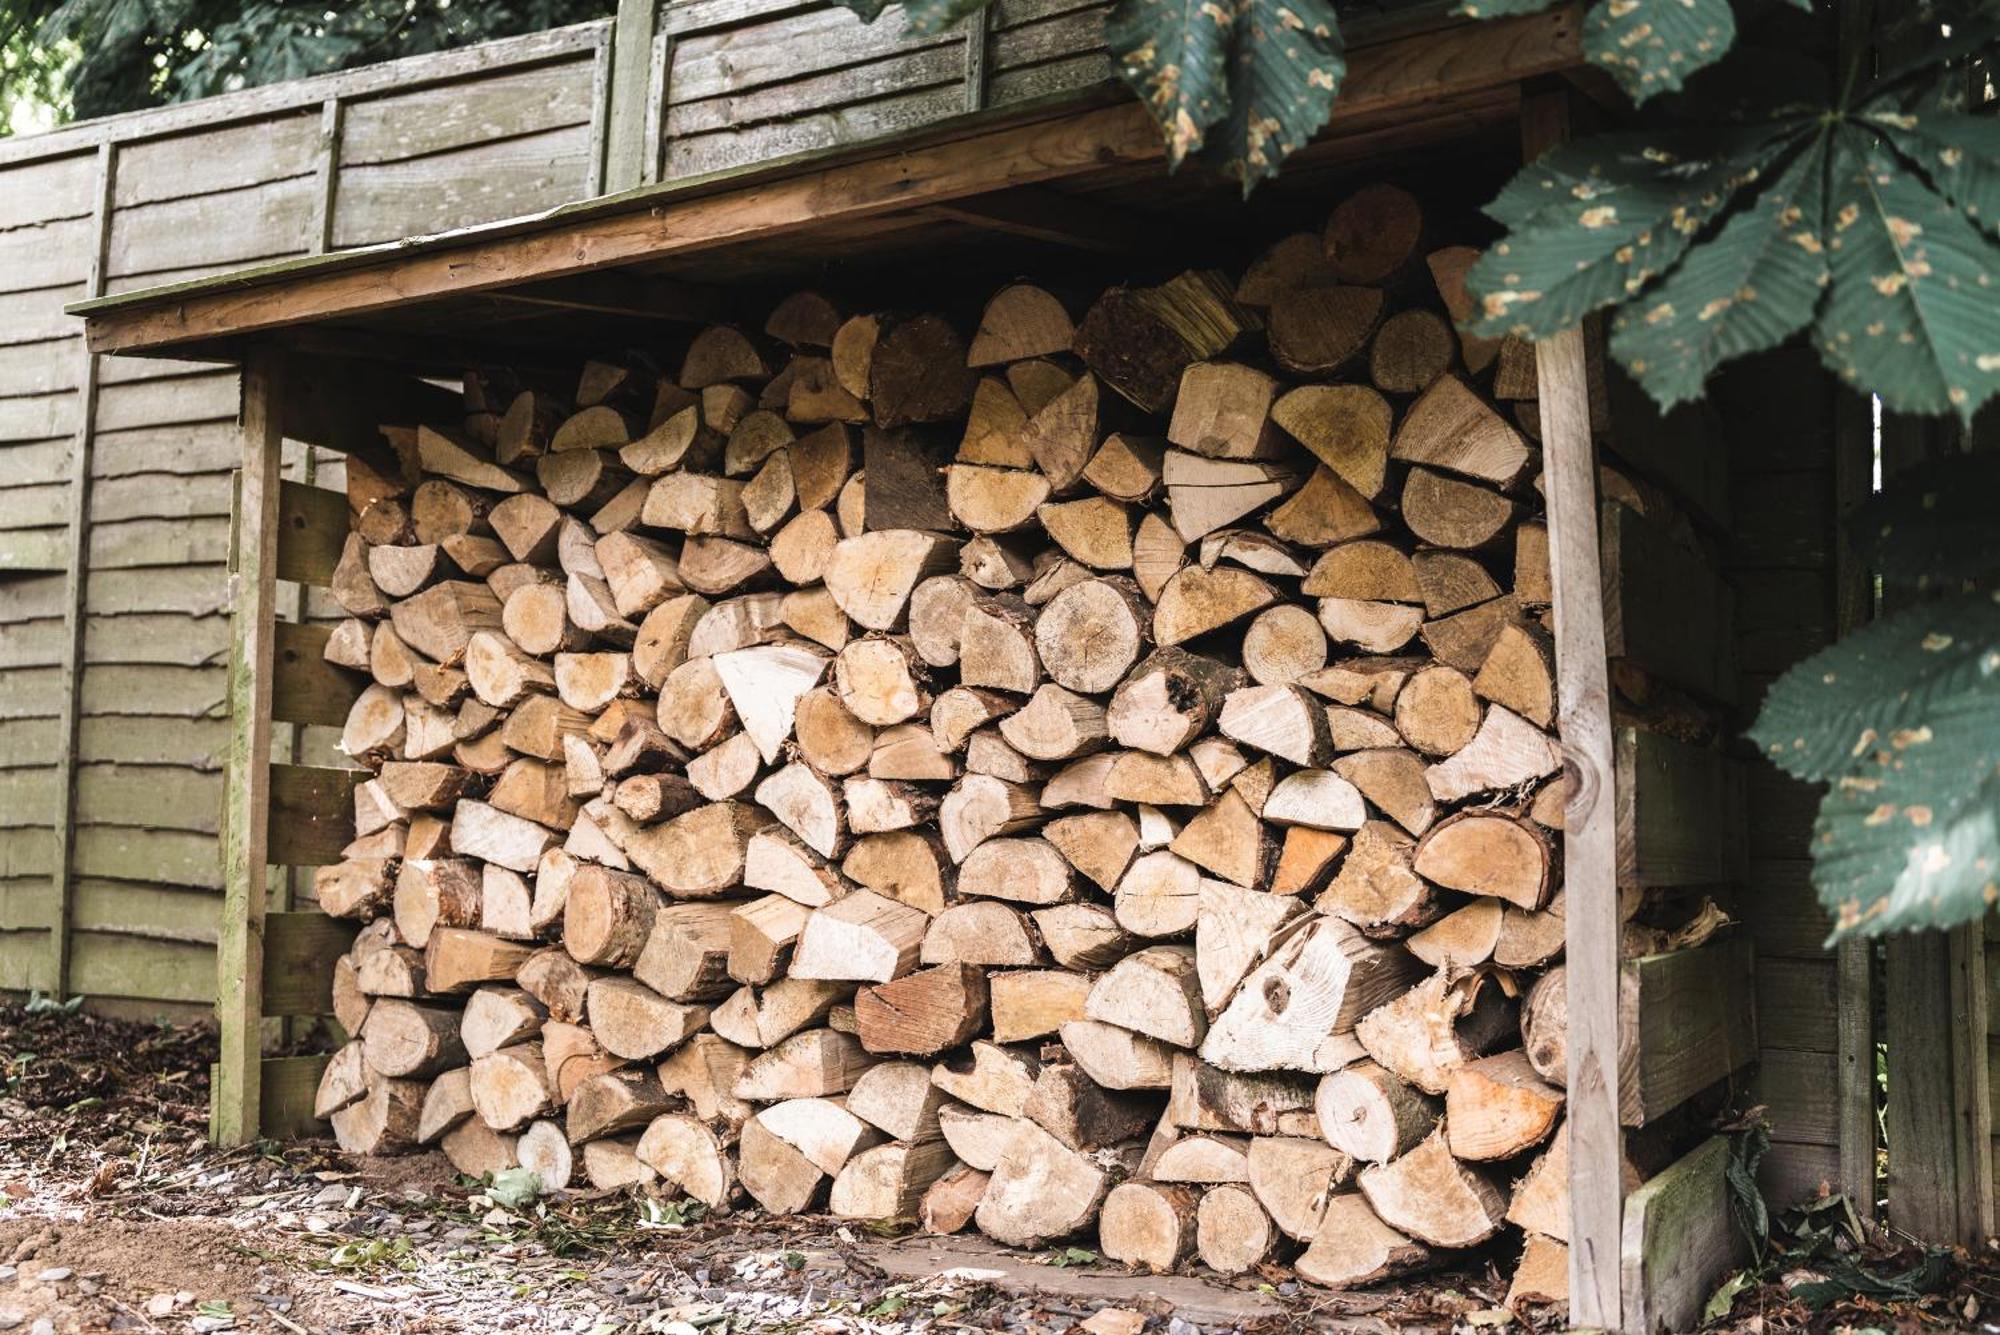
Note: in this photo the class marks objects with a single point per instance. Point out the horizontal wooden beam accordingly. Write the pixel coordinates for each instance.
(1687, 1019)
(286, 1086)
(312, 814)
(1045, 215)
(1680, 813)
(1680, 1239)
(312, 528)
(983, 153)
(299, 951)
(305, 688)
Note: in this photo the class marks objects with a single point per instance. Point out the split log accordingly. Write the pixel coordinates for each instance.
(1293, 1177)
(1485, 853)
(948, 1205)
(1353, 1247)
(1496, 1108)
(1156, 992)
(1295, 1010)
(1433, 1197)
(1041, 1190)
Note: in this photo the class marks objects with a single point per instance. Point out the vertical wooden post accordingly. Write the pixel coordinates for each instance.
(631, 60)
(1939, 1117)
(1854, 960)
(239, 1004)
(75, 582)
(1590, 855)
(326, 189)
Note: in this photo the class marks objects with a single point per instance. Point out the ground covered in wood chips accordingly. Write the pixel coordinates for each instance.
(115, 1214)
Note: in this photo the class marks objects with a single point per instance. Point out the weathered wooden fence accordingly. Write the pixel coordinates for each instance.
(115, 473)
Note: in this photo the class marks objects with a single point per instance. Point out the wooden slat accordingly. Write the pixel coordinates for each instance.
(259, 103)
(385, 202)
(305, 688)
(77, 583)
(215, 159)
(299, 951)
(246, 808)
(1679, 1242)
(312, 527)
(285, 1089)
(1693, 1017)
(394, 126)
(1680, 812)
(1665, 608)
(793, 197)
(312, 814)
(340, 404)
(1590, 853)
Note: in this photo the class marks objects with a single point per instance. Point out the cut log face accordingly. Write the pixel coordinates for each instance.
(1370, 1115)
(1497, 1107)
(1488, 854)
(1353, 1247)
(1232, 1232)
(1293, 1177)
(1148, 1224)
(1041, 1190)
(1433, 1197)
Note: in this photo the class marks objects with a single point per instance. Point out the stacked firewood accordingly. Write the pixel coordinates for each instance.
(1092, 780)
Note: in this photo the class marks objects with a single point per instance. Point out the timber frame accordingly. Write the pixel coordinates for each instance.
(303, 329)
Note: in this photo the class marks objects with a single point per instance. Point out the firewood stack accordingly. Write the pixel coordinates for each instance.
(1092, 780)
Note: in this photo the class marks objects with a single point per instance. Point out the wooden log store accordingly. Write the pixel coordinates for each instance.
(900, 673)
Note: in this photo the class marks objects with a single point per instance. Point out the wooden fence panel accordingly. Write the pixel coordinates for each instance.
(440, 141)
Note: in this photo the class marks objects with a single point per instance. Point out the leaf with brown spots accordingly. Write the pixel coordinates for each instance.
(1830, 713)
(1753, 285)
(1912, 839)
(1595, 222)
(1911, 313)
(1285, 68)
(1174, 54)
(1652, 46)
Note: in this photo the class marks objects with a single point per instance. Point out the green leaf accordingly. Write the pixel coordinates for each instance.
(1960, 156)
(1878, 686)
(1724, 1297)
(1285, 69)
(1174, 54)
(1596, 222)
(931, 16)
(1750, 287)
(515, 1187)
(1912, 839)
(1651, 46)
(1911, 312)
(1935, 525)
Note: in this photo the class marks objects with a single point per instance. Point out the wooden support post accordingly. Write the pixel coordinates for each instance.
(1854, 960)
(239, 1004)
(75, 583)
(1939, 1116)
(326, 189)
(631, 59)
(1590, 853)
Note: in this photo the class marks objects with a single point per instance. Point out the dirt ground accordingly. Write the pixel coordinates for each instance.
(116, 1215)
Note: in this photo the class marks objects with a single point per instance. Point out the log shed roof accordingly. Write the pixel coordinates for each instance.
(1075, 175)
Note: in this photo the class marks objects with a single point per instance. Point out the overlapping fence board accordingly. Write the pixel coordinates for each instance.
(435, 142)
